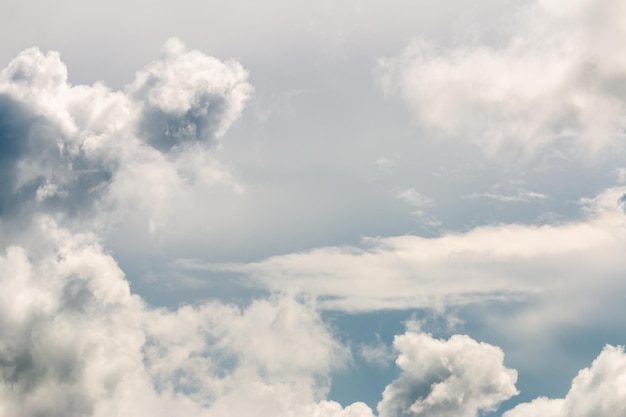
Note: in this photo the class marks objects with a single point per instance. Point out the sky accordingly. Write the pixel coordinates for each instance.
(348, 208)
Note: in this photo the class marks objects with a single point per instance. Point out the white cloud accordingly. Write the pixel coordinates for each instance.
(414, 198)
(82, 151)
(74, 340)
(491, 262)
(457, 377)
(420, 203)
(558, 79)
(599, 390)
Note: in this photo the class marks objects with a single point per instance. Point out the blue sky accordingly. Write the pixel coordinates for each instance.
(331, 209)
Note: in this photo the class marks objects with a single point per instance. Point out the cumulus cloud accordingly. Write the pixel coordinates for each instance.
(441, 378)
(599, 390)
(188, 96)
(79, 151)
(71, 329)
(558, 79)
(74, 340)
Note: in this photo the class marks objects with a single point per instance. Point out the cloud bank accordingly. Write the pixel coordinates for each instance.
(487, 263)
(75, 340)
(443, 378)
(80, 151)
(599, 390)
(559, 80)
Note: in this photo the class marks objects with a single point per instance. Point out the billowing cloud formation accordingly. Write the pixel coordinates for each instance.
(502, 261)
(188, 96)
(599, 390)
(457, 377)
(75, 341)
(71, 149)
(560, 78)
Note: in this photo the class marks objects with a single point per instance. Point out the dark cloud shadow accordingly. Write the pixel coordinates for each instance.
(164, 130)
(32, 157)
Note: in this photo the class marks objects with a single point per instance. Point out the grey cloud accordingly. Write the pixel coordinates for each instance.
(14, 128)
(457, 377)
(77, 152)
(29, 156)
(42, 169)
(187, 96)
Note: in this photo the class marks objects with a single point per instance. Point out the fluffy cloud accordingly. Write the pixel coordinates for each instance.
(71, 330)
(188, 96)
(559, 79)
(75, 341)
(599, 390)
(82, 151)
(492, 262)
(443, 378)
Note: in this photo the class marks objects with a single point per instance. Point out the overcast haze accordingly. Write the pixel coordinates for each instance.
(324, 209)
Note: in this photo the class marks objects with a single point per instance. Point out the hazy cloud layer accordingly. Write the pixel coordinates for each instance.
(558, 80)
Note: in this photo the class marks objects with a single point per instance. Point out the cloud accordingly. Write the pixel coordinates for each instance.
(420, 203)
(70, 329)
(81, 152)
(521, 196)
(188, 96)
(499, 262)
(599, 390)
(74, 340)
(442, 378)
(559, 80)
(377, 354)
(514, 192)
(414, 198)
